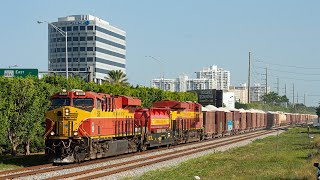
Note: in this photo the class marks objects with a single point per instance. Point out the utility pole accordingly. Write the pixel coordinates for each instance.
(278, 86)
(249, 77)
(304, 99)
(297, 98)
(285, 90)
(293, 95)
(266, 80)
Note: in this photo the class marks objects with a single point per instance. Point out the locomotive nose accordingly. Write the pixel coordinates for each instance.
(65, 118)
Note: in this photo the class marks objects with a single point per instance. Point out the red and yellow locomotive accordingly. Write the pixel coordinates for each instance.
(87, 125)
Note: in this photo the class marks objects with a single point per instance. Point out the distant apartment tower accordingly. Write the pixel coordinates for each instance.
(208, 78)
(219, 78)
(92, 43)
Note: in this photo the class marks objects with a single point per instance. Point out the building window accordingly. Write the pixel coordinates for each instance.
(82, 28)
(75, 38)
(75, 28)
(89, 27)
(82, 59)
(69, 38)
(63, 39)
(75, 49)
(63, 60)
(82, 38)
(90, 59)
(69, 28)
(69, 59)
(69, 69)
(82, 48)
(69, 49)
(63, 49)
(90, 38)
(82, 69)
(89, 48)
(58, 49)
(63, 28)
(75, 59)
(75, 69)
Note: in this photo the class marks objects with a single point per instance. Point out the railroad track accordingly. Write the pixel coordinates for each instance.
(118, 167)
(28, 171)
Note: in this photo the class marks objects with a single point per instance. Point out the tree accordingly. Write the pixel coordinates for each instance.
(22, 106)
(35, 116)
(18, 96)
(117, 77)
(274, 98)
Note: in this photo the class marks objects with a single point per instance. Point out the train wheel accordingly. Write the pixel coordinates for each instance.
(79, 154)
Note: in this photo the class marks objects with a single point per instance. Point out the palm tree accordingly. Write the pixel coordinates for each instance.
(117, 77)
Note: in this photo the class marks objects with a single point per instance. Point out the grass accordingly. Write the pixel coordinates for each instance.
(289, 156)
(19, 161)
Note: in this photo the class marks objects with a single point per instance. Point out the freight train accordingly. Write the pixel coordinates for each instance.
(87, 125)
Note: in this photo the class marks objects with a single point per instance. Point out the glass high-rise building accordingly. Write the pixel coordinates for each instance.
(92, 43)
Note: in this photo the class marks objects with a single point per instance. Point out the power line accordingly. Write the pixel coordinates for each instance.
(301, 67)
(308, 80)
(313, 74)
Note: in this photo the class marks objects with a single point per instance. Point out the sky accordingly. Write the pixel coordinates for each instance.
(186, 36)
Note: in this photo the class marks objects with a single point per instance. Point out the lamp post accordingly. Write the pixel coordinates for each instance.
(161, 78)
(63, 33)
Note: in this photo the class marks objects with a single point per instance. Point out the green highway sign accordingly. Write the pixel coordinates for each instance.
(18, 72)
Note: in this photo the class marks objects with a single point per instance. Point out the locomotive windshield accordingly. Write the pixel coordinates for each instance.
(59, 102)
(83, 103)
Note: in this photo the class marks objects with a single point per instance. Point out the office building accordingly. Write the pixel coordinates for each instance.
(92, 43)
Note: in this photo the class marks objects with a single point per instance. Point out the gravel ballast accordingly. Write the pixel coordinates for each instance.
(144, 169)
(174, 162)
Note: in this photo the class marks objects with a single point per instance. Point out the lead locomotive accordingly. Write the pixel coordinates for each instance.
(87, 125)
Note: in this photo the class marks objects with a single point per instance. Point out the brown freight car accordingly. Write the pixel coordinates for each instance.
(209, 123)
(243, 120)
(236, 120)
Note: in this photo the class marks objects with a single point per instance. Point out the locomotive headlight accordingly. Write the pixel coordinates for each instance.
(67, 112)
(52, 133)
(75, 133)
